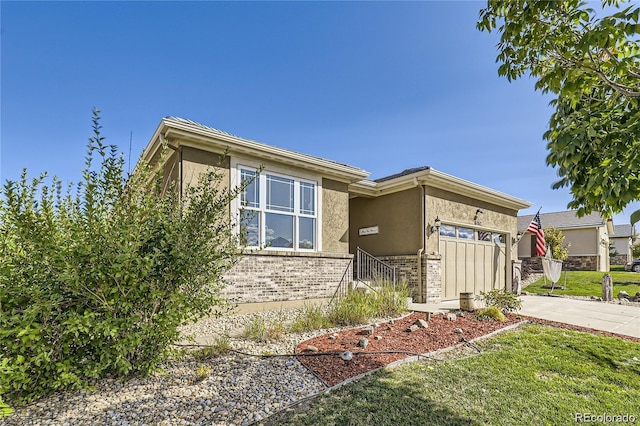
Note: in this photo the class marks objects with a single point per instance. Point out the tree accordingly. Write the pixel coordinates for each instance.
(96, 281)
(592, 65)
(554, 239)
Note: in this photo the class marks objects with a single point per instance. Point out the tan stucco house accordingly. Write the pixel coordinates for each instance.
(588, 237)
(622, 239)
(304, 217)
(456, 233)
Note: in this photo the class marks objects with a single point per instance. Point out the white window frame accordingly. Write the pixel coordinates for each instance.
(237, 165)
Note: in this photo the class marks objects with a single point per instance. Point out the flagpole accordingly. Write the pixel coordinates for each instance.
(522, 235)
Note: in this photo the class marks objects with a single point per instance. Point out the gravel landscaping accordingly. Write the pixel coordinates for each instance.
(238, 389)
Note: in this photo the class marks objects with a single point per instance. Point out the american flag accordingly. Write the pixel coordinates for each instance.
(535, 227)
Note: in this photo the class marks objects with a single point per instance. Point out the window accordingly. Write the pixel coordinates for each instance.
(447, 231)
(278, 211)
(466, 234)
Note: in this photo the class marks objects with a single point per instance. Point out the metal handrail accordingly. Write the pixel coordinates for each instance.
(342, 288)
(370, 268)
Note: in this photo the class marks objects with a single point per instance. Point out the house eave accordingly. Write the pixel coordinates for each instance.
(186, 134)
(440, 180)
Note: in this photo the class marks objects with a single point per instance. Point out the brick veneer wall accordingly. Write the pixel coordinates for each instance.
(407, 271)
(285, 276)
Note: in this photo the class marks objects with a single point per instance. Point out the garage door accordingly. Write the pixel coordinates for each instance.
(472, 261)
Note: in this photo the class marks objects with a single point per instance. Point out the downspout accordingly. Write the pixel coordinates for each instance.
(421, 250)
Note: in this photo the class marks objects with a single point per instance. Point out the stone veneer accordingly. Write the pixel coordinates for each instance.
(573, 263)
(284, 276)
(407, 271)
(620, 259)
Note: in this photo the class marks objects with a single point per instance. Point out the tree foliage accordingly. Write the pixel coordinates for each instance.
(592, 64)
(554, 238)
(96, 281)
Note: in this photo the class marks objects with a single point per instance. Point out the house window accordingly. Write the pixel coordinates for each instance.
(278, 211)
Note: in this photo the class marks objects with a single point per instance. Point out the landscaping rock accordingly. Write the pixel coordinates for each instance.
(607, 288)
(364, 342)
(452, 317)
(378, 337)
(421, 323)
(457, 330)
(311, 348)
(367, 331)
(623, 295)
(412, 328)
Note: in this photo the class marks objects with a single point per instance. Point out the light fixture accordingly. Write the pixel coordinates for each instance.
(436, 225)
(476, 219)
(517, 238)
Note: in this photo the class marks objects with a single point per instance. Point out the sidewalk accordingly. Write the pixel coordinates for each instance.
(621, 319)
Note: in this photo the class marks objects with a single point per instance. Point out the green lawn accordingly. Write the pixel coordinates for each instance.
(533, 375)
(589, 283)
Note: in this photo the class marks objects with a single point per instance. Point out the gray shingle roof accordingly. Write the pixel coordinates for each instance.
(623, 231)
(402, 173)
(223, 133)
(563, 220)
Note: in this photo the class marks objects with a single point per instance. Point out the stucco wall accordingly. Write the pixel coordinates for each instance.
(196, 161)
(335, 216)
(398, 217)
(458, 209)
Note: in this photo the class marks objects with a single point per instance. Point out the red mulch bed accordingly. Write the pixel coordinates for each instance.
(440, 334)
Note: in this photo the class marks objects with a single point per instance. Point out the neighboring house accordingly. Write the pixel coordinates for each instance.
(588, 236)
(624, 236)
(310, 214)
(456, 233)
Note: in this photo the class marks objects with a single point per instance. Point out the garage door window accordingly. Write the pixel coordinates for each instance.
(447, 231)
(466, 234)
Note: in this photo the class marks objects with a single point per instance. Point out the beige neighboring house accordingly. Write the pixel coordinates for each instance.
(456, 233)
(305, 217)
(623, 238)
(588, 236)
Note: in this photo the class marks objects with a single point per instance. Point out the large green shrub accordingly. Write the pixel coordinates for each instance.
(95, 280)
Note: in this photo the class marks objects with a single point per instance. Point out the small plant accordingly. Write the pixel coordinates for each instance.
(267, 353)
(503, 300)
(391, 300)
(355, 308)
(219, 347)
(310, 318)
(202, 372)
(491, 313)
(359, 308)
(261, 331)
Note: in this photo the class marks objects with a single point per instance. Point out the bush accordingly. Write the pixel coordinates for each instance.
(390, 300)
(490, 313)
(95, 281)
(503, 300)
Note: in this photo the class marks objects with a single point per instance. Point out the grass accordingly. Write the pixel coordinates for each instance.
(310, 318)
(589, 283)
(533, 375)
(359, 307)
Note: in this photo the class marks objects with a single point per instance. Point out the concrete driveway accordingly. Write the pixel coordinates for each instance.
(621, 319)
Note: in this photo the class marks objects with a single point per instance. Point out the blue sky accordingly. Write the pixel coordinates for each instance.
(384, 86)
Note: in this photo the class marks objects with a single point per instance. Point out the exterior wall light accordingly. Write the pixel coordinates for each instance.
(436, 225)
(517, 238)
